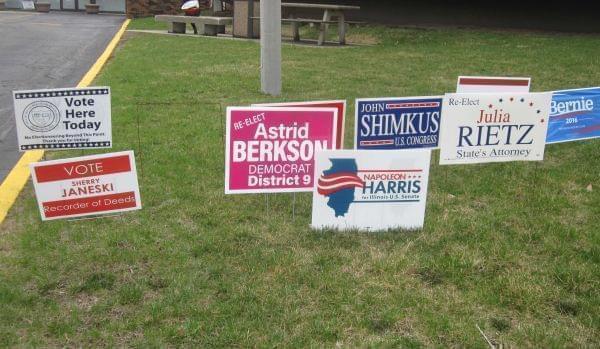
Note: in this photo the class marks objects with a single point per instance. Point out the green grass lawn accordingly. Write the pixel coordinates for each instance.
(513, 248)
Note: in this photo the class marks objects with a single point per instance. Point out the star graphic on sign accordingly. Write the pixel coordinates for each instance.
(490, 106)
(531, 104)
(542, 121)
(512, 99)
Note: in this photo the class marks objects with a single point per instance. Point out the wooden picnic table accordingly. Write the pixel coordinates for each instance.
(320, 6)
(329, 11)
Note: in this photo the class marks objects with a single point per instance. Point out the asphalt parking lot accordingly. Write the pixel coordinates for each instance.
(44, 50)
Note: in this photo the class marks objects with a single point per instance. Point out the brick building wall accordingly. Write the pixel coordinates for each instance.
(144, 8)
(559, 15)
(577, 16)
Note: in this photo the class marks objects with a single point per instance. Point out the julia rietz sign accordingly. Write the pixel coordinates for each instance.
(493, 127)
(87, 185)
(63, 118)
(397, 123)
(271, 150)
(370, 190)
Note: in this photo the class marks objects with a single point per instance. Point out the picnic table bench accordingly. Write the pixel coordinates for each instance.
(329, 12)
(210, 26)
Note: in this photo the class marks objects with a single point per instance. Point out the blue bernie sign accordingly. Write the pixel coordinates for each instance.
(574, 115)
(397, 123)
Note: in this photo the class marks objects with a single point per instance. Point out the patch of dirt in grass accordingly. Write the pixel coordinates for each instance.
(405, 326)
(408, 55)
(464, 210)
(97, 281)
(363, 39)
(126, 36)
(15, 218)
(85, 301)
(6, 247)
(567, 307)
(429, 276)
(357, 269)
(117, 312)
(377, 254)
(501, 324)
(156, 282)
(9, 224)
(165, 204)
(54, 289)
(187, 223)
(408, 327)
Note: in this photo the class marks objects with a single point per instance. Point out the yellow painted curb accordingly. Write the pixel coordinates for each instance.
(16, 180)
(95, 69)
(18, 176)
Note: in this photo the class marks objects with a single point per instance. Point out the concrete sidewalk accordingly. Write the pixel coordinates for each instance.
(45, 51)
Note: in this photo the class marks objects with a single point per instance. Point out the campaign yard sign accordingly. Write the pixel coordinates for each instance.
(59, 119)
(340, 105)
(397, 123)
(272, 149)
(87, 185)
(370, 190)
(493, 127)
(492, 84)
(574, 115)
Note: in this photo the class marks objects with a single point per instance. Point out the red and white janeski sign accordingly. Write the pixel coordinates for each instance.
(87, 185)
(492, 84)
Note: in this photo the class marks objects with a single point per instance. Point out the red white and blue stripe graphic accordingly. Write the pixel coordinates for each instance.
(377, 143)
(329, 184)
(412, 105)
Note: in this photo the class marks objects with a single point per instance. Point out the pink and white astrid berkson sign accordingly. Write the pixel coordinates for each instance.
(272, 149)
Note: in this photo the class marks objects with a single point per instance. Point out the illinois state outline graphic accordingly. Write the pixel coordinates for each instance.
(338, 183)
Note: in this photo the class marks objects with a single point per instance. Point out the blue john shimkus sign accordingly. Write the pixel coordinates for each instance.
(574, 115)
(397, 123)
